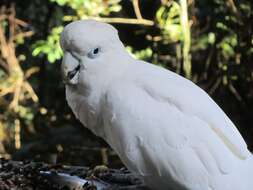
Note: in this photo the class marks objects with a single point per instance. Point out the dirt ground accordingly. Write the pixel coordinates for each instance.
(29, 175)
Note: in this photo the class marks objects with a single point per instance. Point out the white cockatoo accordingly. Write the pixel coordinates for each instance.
(163, 126)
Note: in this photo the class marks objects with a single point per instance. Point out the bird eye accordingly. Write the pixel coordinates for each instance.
(94, 53)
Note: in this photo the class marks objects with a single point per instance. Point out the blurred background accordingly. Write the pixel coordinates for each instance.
(209, 42)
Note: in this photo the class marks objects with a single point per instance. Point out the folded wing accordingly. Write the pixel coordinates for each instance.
(162, 124)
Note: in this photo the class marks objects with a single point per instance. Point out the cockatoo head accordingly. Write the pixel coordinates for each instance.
(88, 45)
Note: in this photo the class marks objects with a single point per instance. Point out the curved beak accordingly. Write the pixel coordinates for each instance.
(70, 68)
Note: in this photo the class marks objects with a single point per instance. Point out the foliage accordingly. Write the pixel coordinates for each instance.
(168, 18)
(51, 46)
(83, 10)
(143, 54)
(86, 8)
(15, 90)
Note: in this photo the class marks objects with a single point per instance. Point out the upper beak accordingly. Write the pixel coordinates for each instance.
(69, 68)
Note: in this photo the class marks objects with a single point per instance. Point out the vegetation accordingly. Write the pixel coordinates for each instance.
(209, 42)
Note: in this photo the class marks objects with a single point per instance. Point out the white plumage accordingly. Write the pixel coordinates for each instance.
(162, 125)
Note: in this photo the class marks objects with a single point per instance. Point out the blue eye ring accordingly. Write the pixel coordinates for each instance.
(94, 53)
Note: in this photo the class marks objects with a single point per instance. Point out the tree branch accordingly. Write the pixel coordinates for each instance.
(125, 21)
(31, 92)
(137, 9)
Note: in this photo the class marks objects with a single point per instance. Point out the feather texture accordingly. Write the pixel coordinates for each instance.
(162, 126)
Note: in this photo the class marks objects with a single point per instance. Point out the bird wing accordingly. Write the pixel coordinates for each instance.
(169, 87)
(160, 123)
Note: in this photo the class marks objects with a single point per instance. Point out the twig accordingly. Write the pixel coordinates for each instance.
(208, 61)
(31, 92)
(17, 92)
(231, 3)
(20, 22)
(31, 71)
(5, 91)
(16, 20)
(186, 33)
(125, 21)
(17, 134)
(12, 26)
(4, 66)
(234, 91)
(23, 35)
(16, 76)
(237, 13)
(215, 86)
(137, 9)
(3, 44)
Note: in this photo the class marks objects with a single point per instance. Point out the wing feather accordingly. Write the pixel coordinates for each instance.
(169, 87)
(165, 125)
